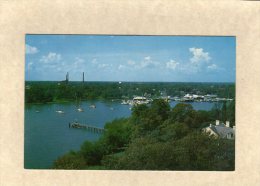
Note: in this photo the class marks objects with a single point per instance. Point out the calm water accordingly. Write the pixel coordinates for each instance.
(48, 136)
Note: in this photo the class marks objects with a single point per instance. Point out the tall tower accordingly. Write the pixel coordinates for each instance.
(83, 78)
(67, 77)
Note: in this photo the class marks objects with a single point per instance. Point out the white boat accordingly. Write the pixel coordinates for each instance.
(124, 102)
(80, 110)
(92, 106)
(60, 111)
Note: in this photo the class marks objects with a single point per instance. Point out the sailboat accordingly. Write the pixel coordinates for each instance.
(92, 106)
(60, 111)
(79, 109)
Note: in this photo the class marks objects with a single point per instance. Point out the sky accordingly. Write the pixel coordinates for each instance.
(130, 58)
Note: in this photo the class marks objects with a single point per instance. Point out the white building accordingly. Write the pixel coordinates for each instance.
(140, 100)
(221, 130)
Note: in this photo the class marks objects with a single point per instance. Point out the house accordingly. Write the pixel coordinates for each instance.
(221, 130)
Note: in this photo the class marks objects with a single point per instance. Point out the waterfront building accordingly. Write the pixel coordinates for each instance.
(221, 130)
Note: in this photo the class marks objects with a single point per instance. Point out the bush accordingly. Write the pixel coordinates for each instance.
(71, 160)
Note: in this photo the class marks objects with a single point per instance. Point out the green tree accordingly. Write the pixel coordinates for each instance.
(117, 135)
(71, 160)
(92, 152)
(224, 112)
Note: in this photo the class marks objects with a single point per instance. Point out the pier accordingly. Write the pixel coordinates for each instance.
(87, 127)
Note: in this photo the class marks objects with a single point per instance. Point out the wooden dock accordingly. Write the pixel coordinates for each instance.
(87, 127)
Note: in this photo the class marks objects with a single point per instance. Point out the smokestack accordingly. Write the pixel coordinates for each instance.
(217, 122)
(227, 124)
(83, 77)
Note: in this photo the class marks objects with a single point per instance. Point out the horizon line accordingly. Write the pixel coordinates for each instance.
(137, 81)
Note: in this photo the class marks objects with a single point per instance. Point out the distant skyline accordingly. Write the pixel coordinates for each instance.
(130, 58)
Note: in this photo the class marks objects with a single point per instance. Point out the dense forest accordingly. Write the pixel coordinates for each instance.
(43, 92)
(158, 137)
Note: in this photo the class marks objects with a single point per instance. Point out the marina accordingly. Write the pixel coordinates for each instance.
(137, 100)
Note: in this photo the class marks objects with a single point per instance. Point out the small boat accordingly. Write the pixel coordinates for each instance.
(37, 111)
(124, 102)
(80, 110)
(60, 111)
(92, 106)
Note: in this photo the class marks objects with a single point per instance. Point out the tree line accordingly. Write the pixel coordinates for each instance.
(43, 92)
(158, 137)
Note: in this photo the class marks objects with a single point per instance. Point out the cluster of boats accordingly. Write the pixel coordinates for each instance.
(186, 98)
(79, 109)
(137, 101)
(200, 98)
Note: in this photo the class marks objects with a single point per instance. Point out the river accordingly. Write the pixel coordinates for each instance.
(48, 136)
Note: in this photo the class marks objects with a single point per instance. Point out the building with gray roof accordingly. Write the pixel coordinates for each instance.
(221, 130)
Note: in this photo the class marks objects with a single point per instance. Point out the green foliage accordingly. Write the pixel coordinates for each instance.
(181, 112)
(173, 131)
(147, 119)
(71, 160)
(117, 135)
(224, 112)
(157, 138)
(192, 152)
(92, 152)
(231, 112)
(42, 92)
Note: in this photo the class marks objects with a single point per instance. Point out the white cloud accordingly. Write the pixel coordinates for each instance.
(94, 61)
(212, 67)
(130, 62)
(104, 65)
(79, 60)
(172, 64)
(199, 55)
(147, 63)
(30, 49)
(120, 67)
(50, 58)
(78, 64)
(147, 58)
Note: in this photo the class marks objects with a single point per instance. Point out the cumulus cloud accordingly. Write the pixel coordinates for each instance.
(199, 55)
(130, 62)
(147, 58)
(172, 64)
(50, 58)
(212, 67)
(78, 63)
(30, 49)
(147, 63)
(94, 61)
(104, 65)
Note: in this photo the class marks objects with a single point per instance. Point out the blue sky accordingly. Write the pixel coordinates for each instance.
(130, 58)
